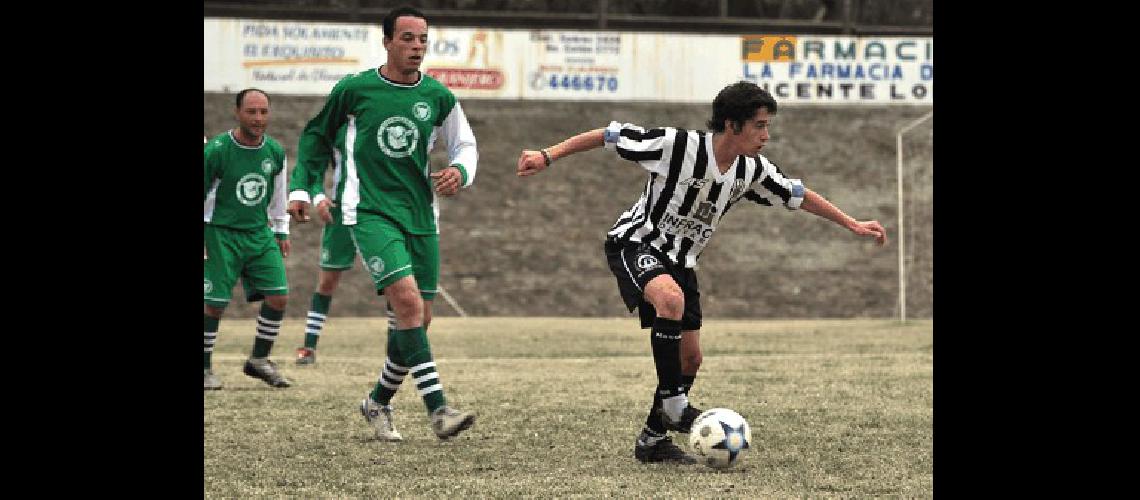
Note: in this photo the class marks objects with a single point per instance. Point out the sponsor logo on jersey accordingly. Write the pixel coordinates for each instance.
(375, 265)
(422, 111)
(397, 136)
(207, 286)
(251, 189)
(267, 166)
(694, 229)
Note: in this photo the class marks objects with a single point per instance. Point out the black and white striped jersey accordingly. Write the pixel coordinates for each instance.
(686, 195)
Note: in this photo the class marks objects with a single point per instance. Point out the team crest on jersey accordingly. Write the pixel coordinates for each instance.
(695, 183)
(737, 189)
(251, 189)
(267, 166)
(422, 111)
(375, 265)
(207, 286)
(397, 136)
(646, 262)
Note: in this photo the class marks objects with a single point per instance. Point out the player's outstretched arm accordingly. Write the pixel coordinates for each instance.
(532, 162)
(819, 205)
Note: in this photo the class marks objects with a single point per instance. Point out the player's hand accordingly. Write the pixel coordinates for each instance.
(298, 209)
(871, 228)
(530, 163)
(285, 247)
(447, 181)
(323, 210)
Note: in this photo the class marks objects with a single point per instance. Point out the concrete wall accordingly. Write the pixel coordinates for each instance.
(532, 246)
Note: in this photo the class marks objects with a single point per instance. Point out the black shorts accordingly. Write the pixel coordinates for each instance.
(635, 265)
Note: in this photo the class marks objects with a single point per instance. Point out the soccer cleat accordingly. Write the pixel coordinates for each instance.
(664, 450)
(688, 415)
(380, 417)
(447, 421)
(306, 356)
(265, 370)
(212, 382)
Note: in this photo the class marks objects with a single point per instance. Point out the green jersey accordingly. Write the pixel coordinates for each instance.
(389, 130)
(314, 184)
(245, 186)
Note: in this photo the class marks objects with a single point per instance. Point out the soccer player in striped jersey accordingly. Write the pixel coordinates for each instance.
(695, 177)
(393, 115)
(244, 195)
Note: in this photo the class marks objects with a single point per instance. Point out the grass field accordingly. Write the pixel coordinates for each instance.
(838, 408)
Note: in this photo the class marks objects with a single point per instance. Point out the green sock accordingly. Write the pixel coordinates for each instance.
(210, 326)
(413, 344)
(318, 312)
(395, 369)
(268, 324)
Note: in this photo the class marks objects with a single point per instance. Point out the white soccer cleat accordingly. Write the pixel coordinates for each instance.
(380, 417)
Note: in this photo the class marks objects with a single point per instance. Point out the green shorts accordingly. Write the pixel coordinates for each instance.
(251, 255)
(337, 250)
(390, 254)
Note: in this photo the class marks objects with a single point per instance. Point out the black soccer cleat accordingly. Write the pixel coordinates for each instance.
(688, 415)
(663, 451)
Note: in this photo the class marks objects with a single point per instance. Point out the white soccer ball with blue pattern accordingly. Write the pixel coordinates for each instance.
(720, 437)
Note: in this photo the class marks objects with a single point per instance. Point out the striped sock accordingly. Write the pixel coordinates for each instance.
(389, 382)
(268, 324)
(318, 311)
(210, 326)
(414, 346)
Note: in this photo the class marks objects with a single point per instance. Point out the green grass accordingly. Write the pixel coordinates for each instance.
(838, 408)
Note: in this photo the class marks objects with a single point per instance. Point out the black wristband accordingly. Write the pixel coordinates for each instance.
(545, 156)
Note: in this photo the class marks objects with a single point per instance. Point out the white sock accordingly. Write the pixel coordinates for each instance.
(674, 406)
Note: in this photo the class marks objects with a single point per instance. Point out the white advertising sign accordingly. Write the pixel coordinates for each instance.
(308, 58)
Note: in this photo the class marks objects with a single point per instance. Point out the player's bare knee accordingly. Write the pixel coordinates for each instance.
(407, 304)
(328, 282)
(215, 312)
(670, 304)
(277, 302)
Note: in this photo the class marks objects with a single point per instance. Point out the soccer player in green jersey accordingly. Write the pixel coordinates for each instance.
(246, 232)
(393, 115)
(337, 255)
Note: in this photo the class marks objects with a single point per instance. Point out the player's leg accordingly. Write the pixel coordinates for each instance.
(644, 281)
(384, 249)
(337, 256)
(220, 273)
(265, 272)
(691, 356)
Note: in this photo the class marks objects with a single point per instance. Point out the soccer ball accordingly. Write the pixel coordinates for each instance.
(720, 437)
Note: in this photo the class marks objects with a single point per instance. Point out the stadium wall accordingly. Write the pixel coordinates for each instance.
(532, 247)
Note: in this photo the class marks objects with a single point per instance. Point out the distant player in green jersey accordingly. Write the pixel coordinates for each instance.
(337, 255)
(246, 232)
(393, 115)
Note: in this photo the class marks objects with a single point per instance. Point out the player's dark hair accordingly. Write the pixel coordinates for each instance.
(241, 95)
(390, 19)
(737, 103)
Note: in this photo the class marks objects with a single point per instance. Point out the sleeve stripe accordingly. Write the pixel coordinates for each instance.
(641, 136)
(776, 188)
(639, 155)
